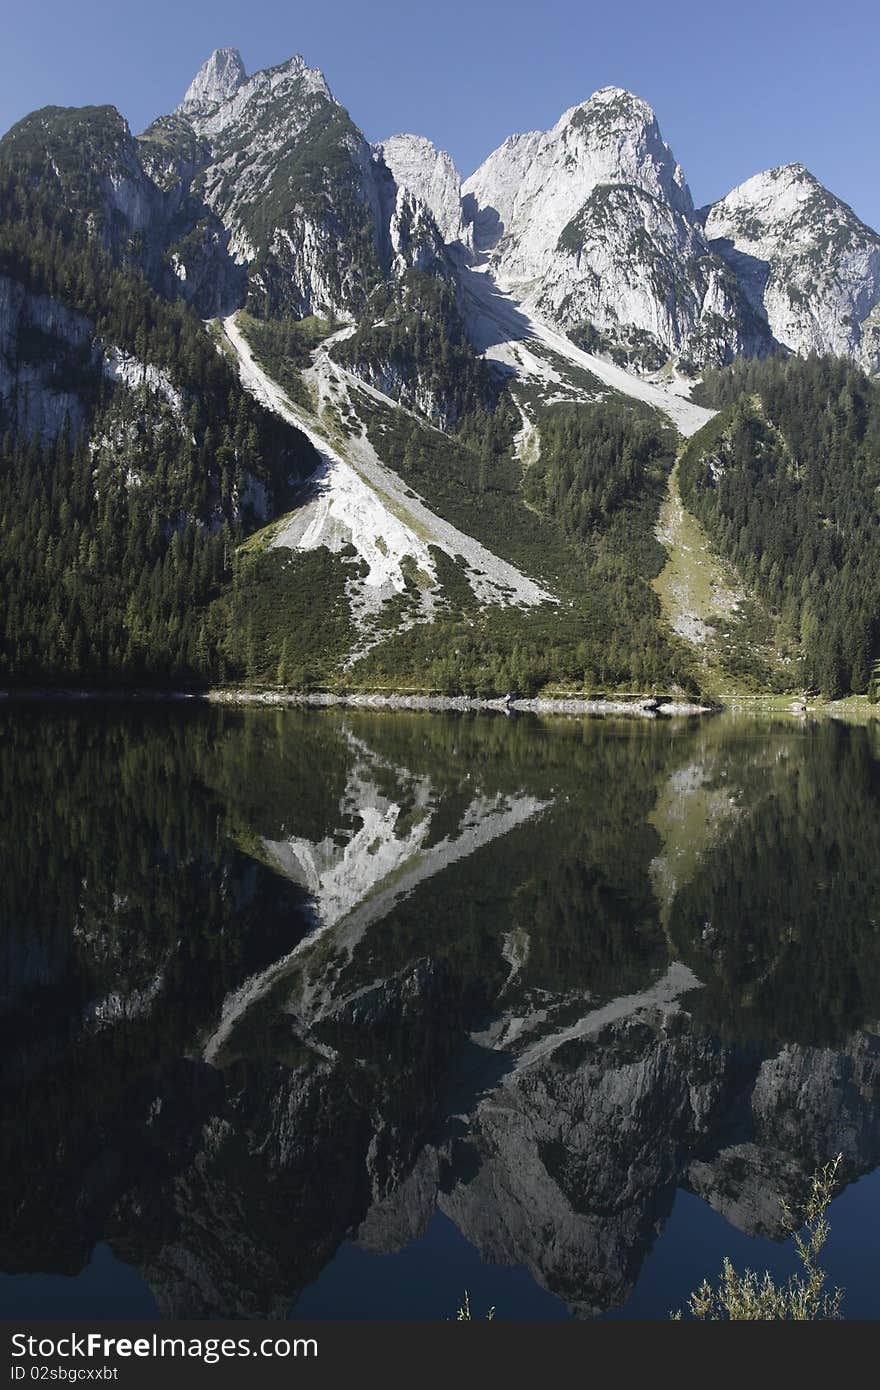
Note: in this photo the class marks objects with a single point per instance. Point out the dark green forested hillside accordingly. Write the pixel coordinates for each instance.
(412, 343)
(116, 542)
(785, 480)
(581, 520)
(80, 170)
(65, 160)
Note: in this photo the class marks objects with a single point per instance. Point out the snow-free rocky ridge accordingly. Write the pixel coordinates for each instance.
(431, 175)
(805, 261)
(215, 82)
(592, 223)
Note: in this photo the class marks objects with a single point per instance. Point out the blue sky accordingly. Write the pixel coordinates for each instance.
(736, 89)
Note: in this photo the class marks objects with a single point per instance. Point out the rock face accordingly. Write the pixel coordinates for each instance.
(309, 207)
(431, 176)
(30, 395)
(538, 182)
(593, 224)
(215, 82)
(260, 189)
(805, 262)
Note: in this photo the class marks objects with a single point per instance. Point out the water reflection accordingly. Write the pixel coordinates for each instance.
(272, 981)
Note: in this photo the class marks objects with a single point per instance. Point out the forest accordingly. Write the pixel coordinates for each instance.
(117, 540)
(785, 480)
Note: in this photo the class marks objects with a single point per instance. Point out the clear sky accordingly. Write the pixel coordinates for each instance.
(737, 88)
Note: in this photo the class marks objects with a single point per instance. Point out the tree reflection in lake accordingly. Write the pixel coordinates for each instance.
(277, 980)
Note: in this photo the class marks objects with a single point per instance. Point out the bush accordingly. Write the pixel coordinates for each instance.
(755, 1298)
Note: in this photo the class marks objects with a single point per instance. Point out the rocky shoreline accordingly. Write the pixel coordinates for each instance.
(635, 707)
(644, 707)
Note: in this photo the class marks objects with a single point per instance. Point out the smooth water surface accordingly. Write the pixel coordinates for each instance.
(338, 1014)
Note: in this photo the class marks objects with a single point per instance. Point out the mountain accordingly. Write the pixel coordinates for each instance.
(431, 175)
(133, 458)
(216, 81)
(310, 209)
(133, 198)
(805, 262)
(593, 224)
(367, 425)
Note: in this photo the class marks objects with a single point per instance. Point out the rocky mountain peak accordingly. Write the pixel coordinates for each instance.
(774, 196)
(795, 171)
(616, 105)
(222, 97)
(216, 80)
(430, 175)
(592, 223)
(621, 139)
(807, 263)
(532, 187)
(297, 69)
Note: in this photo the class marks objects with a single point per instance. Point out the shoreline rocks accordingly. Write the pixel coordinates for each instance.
(645, 707)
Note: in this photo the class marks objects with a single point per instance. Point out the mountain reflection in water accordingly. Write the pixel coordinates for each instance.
(276, 981)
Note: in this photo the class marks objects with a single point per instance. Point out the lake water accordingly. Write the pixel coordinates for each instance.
(337, 1014)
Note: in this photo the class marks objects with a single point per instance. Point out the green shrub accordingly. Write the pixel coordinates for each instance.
(751, 1297)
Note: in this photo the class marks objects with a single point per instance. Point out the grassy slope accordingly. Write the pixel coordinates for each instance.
(733, 639)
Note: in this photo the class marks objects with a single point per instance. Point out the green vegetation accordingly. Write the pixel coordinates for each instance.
(735, 641)
(749, 1297)
(62, 156)
(314, 175)
(580, 520)
(598, 465)
(287, 618)
(98, 581)
(116, 543)
(284, 347)
(411, 343)
(472, 479)
(95, 183)
(639, 348)
(785, 481)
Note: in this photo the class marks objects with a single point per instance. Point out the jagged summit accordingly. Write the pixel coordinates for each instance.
(796, 170)
(430, 174)
(534, 184)
(592, 223)
(216, 80)
(807, 262)
(221, 89)
(614, 94)
(617, 104)
(407, 138)
(222, 98)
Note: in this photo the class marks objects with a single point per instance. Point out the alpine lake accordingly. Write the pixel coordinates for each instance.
(340, 1013)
